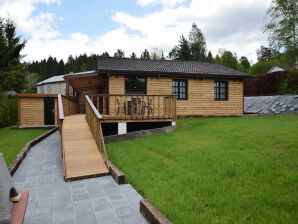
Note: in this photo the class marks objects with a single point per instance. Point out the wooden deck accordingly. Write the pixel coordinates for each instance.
(81, 156)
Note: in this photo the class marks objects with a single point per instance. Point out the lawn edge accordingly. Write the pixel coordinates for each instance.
(138, 134)
(151, 214)
(23, 152)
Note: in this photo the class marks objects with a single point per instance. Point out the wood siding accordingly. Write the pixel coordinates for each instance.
(31, 110)
(200, 99)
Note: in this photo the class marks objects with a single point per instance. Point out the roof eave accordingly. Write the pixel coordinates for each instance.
(170, 73)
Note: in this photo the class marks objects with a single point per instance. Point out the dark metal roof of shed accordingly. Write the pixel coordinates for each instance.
(165, 67)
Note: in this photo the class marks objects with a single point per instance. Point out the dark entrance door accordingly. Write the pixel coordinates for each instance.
(49, 111)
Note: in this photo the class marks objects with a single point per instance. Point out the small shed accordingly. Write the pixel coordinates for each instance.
(37, 110)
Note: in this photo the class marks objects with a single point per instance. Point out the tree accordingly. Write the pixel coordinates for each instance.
(227, 59)
(155, 57)
(162, 56)
(133, 55)
(105, 54)
(217, 59)
(264, 53)
(197, 43)
(12, 71)
(145, 54)
(60, 67)
(262, 67)
(244, 64)
(181, 51)
(283, 26)
(119, 54)
(210, 57)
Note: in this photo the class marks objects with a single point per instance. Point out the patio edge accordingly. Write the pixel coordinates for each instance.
(23, 152)
(117, 175)
(151, 214)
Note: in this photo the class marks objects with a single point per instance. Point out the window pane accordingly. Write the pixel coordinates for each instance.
(135, 84)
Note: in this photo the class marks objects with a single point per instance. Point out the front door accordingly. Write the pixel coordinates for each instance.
(49, 111)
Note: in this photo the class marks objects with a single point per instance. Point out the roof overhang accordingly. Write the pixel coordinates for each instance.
(171, 74)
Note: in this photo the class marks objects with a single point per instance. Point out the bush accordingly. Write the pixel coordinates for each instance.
(8, 110)
(289, 84)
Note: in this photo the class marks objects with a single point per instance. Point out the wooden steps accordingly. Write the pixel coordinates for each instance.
(81, 156)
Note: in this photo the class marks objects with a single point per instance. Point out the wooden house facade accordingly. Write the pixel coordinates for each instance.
(140, 90)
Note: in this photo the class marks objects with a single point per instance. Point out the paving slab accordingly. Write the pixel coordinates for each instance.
(52, 200)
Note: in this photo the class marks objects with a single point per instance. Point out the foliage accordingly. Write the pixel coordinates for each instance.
(193, 48)
(12, 72)
(244, 64)
(162, 57)
(227, 59)
(197, 43)
(264, 53)
(119, 54)
(283, 26)
(145, 54)
(133, 55)
(181, 51)
(105, 54)
(262, 67)
(13, 139)
(217, 170)
(8, 110)
(289, 83)
(49, 67)
(210, 57)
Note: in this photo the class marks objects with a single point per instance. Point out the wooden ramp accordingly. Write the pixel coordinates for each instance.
(81, 156)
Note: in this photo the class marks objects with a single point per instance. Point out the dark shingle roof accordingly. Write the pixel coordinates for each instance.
(165, 67)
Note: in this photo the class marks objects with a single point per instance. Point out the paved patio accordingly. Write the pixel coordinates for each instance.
(52, 200)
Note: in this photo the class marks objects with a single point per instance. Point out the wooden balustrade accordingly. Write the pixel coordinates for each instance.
(70, 106)
(135, 107)
(93, 119)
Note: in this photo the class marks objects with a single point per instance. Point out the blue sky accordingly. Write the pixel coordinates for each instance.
(62, 27)
(94, 17)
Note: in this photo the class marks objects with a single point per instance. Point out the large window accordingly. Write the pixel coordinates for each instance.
(135, 85)
(220, 90)
(180, 89)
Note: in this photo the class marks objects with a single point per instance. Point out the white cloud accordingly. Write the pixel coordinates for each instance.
(39, 26)
(231, 24)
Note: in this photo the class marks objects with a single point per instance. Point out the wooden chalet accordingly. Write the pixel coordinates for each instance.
(124, 95)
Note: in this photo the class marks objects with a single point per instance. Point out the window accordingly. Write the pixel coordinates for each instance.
(220, 90)
(135, 85)
(180, 89)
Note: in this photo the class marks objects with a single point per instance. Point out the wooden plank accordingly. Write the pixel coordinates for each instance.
(82, 158)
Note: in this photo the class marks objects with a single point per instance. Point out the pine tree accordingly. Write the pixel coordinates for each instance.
(12, 71)
(162, 56)
(145, 54)
(210, 57)
(181, 51)
(119, 54)
(133, 55)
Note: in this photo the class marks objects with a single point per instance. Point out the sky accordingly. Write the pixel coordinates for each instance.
(63, 27)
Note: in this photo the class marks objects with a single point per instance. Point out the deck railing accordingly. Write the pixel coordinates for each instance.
(93, 119)
(70, 106)
(135, 107)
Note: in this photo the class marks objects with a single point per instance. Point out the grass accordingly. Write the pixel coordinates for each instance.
(12, 140)
(217, 170)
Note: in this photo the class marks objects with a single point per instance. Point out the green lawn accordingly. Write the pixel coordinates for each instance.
(217, 170)
(12, 140)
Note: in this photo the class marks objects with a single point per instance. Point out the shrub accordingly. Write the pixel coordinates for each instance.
(8, 110)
